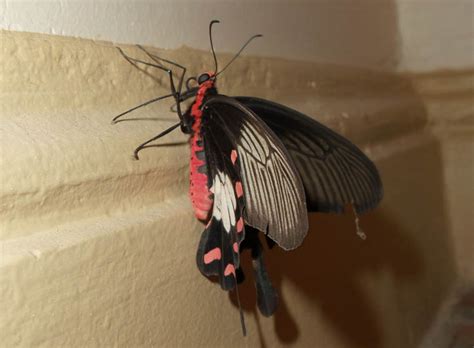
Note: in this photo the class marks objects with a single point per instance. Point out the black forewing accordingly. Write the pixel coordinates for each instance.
(273, 191)
(333, 170)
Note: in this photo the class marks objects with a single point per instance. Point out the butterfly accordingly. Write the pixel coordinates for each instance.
(255, 166)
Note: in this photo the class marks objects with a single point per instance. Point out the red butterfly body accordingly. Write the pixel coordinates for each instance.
(201, 197)
(216, 195)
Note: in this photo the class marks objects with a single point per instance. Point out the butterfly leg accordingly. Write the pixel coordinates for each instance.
(182, 96)
(116, 118)
(142, 146)
(175, 93)
(159, 59)
(190, 93)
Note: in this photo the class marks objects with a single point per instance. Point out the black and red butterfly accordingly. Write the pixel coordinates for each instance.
(259, 166)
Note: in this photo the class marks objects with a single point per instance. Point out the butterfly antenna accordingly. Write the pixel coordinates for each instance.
(212, 45)
(240, 51)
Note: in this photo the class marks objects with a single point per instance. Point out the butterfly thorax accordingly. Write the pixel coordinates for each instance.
(201, 197)
(205, 89)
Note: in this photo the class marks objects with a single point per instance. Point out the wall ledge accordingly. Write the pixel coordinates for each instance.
(84, 225)
(58, 95)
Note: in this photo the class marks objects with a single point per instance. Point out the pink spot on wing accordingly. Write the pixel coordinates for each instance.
(238, 189)
(233, 156)
(236, 247)
(214, 254)
(240, 225)
(230, 269)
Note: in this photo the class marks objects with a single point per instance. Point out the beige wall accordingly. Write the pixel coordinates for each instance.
(406, 35)
(98, 249)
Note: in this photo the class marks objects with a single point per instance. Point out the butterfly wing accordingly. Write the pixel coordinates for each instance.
(246, 157)
(333, 170)
(218, 251)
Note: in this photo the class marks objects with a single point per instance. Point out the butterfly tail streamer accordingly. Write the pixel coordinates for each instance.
(267, 296)
(216, 251)
(241, 312)
(237, 241)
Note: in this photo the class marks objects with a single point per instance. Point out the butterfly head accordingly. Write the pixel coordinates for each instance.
(205, 77)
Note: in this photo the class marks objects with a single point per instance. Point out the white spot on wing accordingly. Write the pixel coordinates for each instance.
(224, 200)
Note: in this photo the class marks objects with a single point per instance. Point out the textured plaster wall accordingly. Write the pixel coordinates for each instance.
(411, 35)
(98, 249)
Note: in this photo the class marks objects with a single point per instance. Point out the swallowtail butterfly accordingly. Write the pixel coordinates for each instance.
(258, 166)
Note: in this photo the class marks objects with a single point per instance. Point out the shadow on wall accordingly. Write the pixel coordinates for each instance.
(407, 238)
(406, 261)
(386, 290)
(407, 258)
(354, 33)
(361, 33)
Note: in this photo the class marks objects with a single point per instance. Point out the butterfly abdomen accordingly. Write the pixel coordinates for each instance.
(201, 197)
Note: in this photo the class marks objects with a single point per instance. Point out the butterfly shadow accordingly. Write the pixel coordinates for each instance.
(340, 277)
(326, 268)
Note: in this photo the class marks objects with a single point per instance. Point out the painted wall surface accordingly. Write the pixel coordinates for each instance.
(97, 249)
(404, 35)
